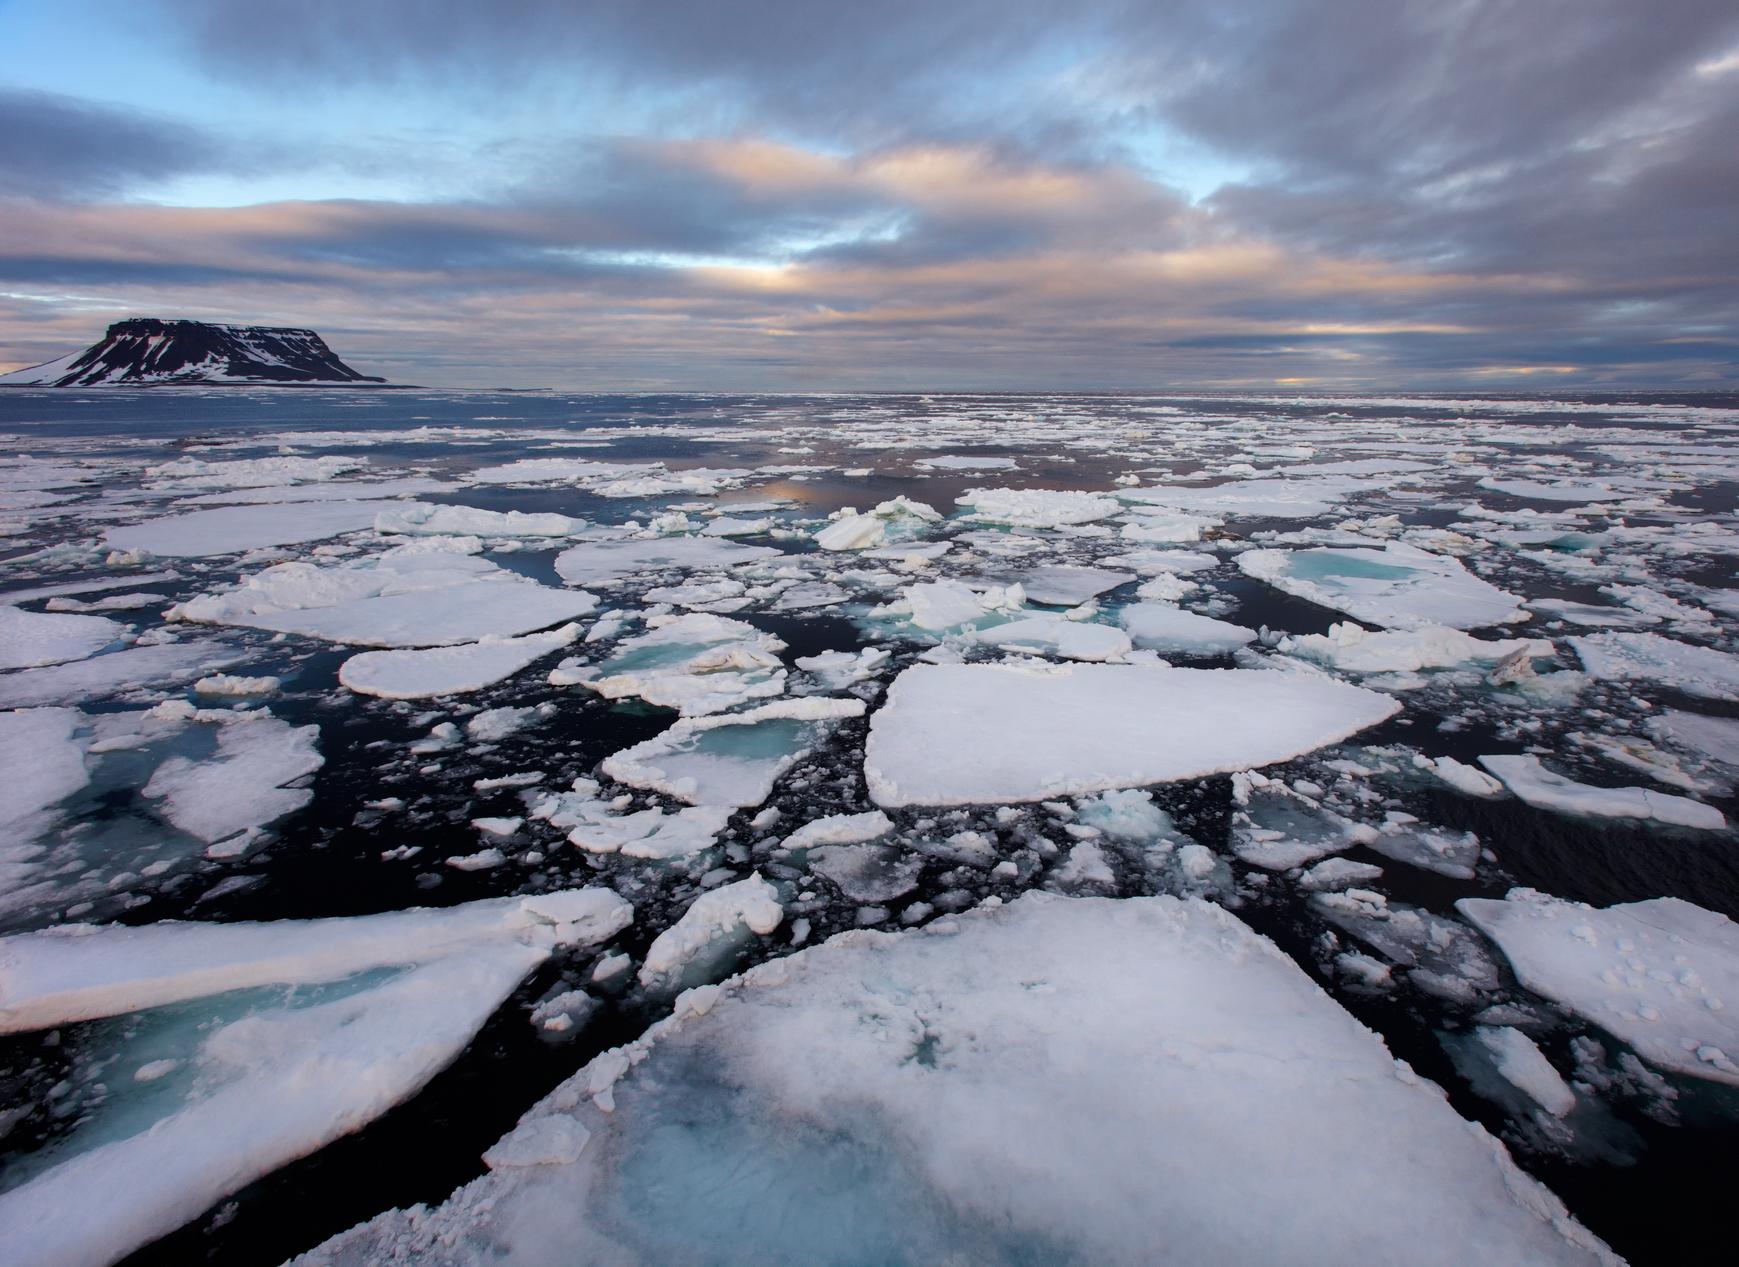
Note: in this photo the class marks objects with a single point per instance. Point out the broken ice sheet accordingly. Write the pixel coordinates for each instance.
(259, 1077)
(242, 787)
(1396, 587)
(695, 663)
(456, 670)
(887, 1090)
(32, 639)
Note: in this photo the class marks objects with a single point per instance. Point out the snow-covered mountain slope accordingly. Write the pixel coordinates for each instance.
(146, 350)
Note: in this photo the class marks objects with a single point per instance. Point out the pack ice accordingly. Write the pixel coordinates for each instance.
(1397, 587)
(960, 734)
(1079, 1080)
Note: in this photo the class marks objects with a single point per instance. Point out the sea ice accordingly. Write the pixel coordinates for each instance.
(32, 639)
(424, 519)
(448, 670)
(80, 681)
(1162, 627)
(1061, 585)
(1654, 974)
(1544, 789)
(1525, 1067)
(44, 763)
(892, 522)
(242, 786)
(1647, 657)
(880, 1099)
(840, 829)
(1036, 507)
(1353, 649)
(715, 924)
(1399, 586)
(966, 734)
(695, 663)
(202, 534)
(605, 563)
(1070, 639)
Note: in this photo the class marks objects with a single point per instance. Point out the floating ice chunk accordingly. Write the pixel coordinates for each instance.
(893, 521)
(712, 928)
(940, 605)
(1036, 507)
(1070, 639)
(373, 490)
(235, 685)
(1461, 776)
(887, 1090)
(1566, 491)
(1525, 1067)
(730, 760)
(1443, 957)
(31, 639)
(868, 873)
(1708, 741)
(1164, 562)
(839, 669)
(428, 520)
(1447, 853)
(1398, 587)
(557, 471)
(606, 563)
(494, 724)
(276, 1084)
(1655, 974)
(82, 680)
(190, 473)
(1163, 528)
(966, 734)
(695, 663)
(1060, 585)
(1541, 788)
(421, 595)
(1339, 873)
(1126, 815)
(840, 829)
(1277, 829)
(1256, 498)
(44, 763)
(448, 670)
(953, 462)
(482, 860)
(1700, 671)
(242, 786)
(1162, 627)
(556, 1140)
(1353, 649)
(1084, 868)
(1591, 614)
(649, 833)
(202, 534)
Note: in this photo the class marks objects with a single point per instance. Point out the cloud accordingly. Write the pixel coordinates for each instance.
(54, 146)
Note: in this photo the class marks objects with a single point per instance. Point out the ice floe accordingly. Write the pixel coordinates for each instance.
(422, 674)
(1647, 657)
(1544, 789)
(605, 563)
(240, 789)
(1036, 507)
(965, 734)
(695, 663)
(203, 534)
(1398, 587)
(1354, 649)
(892, 522)
(32, 639)
(1162, 627)
(709, 933)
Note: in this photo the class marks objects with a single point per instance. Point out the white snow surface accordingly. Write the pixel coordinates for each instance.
(1647, 657)
(1055, 1080)
(609, 562)
(429, 520)
(31, 639)
(715, 918)
(967, 734)
(422, 674)
(1396, 587)
(1036, 507)
(242, 785)
(44, 763)
(1354, 649)
(130, 668)
(202, 534)
(1162, 627)
(1545, 789)
(1657, 975)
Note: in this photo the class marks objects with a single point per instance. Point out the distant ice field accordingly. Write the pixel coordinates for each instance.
(867, 828)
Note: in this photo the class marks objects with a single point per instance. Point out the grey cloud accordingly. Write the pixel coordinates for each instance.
(53, 146)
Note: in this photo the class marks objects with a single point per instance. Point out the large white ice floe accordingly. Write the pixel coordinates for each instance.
(201, 534)
(1256, 498)
(1162, 627)
(1354, 649)
(1656, 975)
(1036, 507)
(1397, 587)
(240, 788)
(251, 1079)
(732, 759)
(1058, 1080)
(423, 519)
(131, 668)
(609, 562)
(1544, 789)
(890, 523)
(965, 734)
(44, 763)
(1063, 585)
(1647, 657)
(411, 596)
(695, 663)
(471, 666)
(32, 639)
(1055, 635)
(190, 473)
(715, 924)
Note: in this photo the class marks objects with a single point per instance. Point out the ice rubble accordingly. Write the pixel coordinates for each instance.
(188, 473)
(241, 788)
(732, 759)
(602, 827)
(892, 522)
(709, 931)
(32, 639)
(423, 519)
(840, 829)
(880, 1099)
(1162, 627)
(202, 534)
(1397, 587)
(274, 1080)
(1545, 789)
(448, 670)
(1654, 974)
(1036, 507)
(965, 734)
(605, 563)
(1648, 657)
(80, 681)
(1354, 649)
(423, 595)
(695, 663)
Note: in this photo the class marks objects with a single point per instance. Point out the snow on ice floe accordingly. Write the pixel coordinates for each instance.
(733, 759)
(1058, 636)
(695, 663)
(456, 670)
(1353, 649)
(1565, 491)
(1063, 585)
(967, 734)
(956, 462)
(44, 763)
(421, 595)
(422, 519)
(249, 1080)
(1656, 975)
(132, 668)
(225, 799)
(30, 639)
(1298, 498)
(1036, 507)
(1398, 586)
(189, 474)
(1647, 657)
(709, 932)
(1164, 628)
(605, 563)
(878, 1099)
(891, 523)
(1544, 789)
(203, 534)
(606, 827)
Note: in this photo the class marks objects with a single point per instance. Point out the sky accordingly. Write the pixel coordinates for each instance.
(794, 195)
